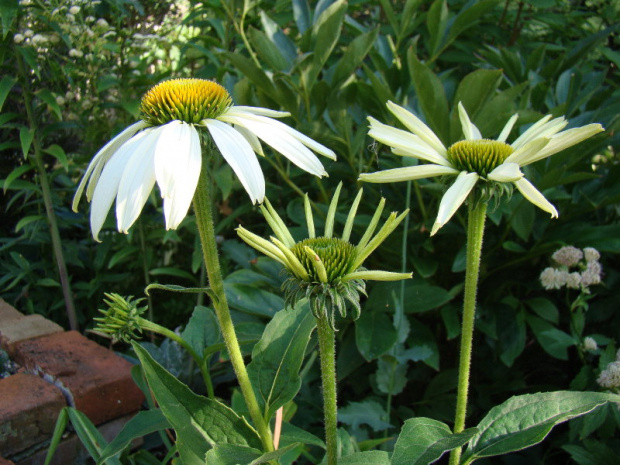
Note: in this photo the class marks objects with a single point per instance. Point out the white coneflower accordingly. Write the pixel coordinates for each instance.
(164, 147)
(473, 159)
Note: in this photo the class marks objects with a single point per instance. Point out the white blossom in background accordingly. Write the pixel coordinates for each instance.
(589, 344)
(573, 268)
(567, 256)
(610, 376)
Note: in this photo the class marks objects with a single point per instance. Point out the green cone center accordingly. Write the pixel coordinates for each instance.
(478, 156)
(189, 100)
(338, 256)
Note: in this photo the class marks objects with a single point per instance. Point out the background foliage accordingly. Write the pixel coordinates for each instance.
(71, 79)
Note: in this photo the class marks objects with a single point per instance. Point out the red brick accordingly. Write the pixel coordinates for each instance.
(96, 380)
(4, 461)
(25, 327)
(29, 407)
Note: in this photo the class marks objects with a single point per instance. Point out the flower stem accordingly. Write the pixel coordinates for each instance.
(475, 230)
(327, 351)
(204, 223)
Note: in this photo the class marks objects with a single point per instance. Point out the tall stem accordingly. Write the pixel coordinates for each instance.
(204, 222)
(475, 230)
(327, 350)
(47, 200)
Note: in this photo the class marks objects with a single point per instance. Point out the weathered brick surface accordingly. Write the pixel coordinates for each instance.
(7, 312)
(95, 380)
(4, 461)
(29, 407)
(24, 327)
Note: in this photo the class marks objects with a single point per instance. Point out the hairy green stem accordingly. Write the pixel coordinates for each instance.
(475, 231)
(47, 199)
(204, 223)
(327, 351)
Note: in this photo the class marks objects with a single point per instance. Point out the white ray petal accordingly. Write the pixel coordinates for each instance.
(252, 140)
(243, 110)
(408, 173)
(542, 128)
(137, 182)
(417, 126)
(564, 140)
(177, 167)
(406, 143)
(470, 131)
(281, 141)
(524, 154)
(238, 153)
(241, 118)
(506, 172)
(454, 198)
(509, 125)
(107, 186)
(100, 159)
(533, 195)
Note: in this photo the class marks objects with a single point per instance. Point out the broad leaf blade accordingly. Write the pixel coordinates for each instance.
(199, 423)
(523, 421)
(277, 357)
(424, 440)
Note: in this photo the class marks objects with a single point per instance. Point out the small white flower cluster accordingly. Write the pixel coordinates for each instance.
(589, 344)
(586, 269)
(610, 376)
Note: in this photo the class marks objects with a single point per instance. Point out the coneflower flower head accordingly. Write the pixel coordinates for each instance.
(121, 320)
(325, 269)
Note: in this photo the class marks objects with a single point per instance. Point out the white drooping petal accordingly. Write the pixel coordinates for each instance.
(509, 125)
(107, 185)
(506, 172)
(252, 140)
(470, 131)
(454, 198)
(565, 139)
(417, 126)
(524, 154)
(137, 181)
(238, 153)
(405, 143)
(100, 159)
(533, 195)
(241, 110)
(542, 128)
(408, 173)
(280, 127)
(281, 141)
(177, 167)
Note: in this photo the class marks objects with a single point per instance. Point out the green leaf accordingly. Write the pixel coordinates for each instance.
(251, 300)
(466, 19)
(370, 457)
(325, 32)
(267, 50)
(368, 412)
(553, 340)
(8, 12)
(202, 330)
(277, 357)
(199, 423)
(431, 95)
(230, 454)
(391, 375)
(292, 434)
(436, 23)
(523, 421)
(59, 430)
(374, 334)
(544, 308)
(423, 440)
(26, 135)
(50, 100)
(16, 173)
(6, 84)
(354, 55)
(143, 423)
(172, 271)
(59, 154)
(252, 72)
(89, 435)
(27, 220)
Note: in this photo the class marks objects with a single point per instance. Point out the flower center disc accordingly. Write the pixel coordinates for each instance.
(189, 100)
(479, 156)
(337, 256)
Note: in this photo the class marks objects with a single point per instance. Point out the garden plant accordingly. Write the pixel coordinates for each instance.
(202, 185)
